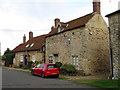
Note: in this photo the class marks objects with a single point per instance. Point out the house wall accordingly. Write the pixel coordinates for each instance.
(89, 43)
(38, 56)
(114, 24)
(98, 45)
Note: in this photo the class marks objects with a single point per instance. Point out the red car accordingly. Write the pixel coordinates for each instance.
(45, 69)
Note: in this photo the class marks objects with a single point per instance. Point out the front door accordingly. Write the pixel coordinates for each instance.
(25, 60)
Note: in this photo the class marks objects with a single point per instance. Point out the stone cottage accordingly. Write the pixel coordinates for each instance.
(83, 42)
(32, 50)
(114, 27)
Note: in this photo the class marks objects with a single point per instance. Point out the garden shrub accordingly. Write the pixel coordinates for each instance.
(68, 69)
(58, 64)
(20, 66)
(36, 63)
(29, 65)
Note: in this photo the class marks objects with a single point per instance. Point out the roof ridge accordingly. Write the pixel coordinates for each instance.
(80, 17)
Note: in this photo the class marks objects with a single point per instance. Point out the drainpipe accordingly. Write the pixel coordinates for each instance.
(44, 52)
(111, 57)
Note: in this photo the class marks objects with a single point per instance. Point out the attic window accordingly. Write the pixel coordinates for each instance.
(59, 29)
(32, 45)
(27, 45)
(67, 25)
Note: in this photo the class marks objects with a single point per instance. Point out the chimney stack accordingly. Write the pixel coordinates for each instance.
(30, 35)
(52, 28)
(57, 20)
(24, 39)
(96, 6)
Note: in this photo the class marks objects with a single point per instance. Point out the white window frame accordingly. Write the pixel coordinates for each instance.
(50, 59)
(59, 29)
(21, 58)
(33, 58)
(75, 60)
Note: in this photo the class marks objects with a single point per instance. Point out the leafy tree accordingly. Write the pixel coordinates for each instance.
(7, 51)
(8, 56)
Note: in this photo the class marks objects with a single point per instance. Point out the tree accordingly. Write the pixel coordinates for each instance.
(8, 56)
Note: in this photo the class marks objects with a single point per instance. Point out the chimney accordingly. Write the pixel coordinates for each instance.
(52, 28)
(30, 35)
(96, 6)
(57, 20)
(24, 39)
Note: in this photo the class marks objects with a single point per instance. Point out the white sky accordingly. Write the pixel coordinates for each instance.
(18, 17)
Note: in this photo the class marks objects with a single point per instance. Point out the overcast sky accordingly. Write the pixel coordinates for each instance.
(18, 17)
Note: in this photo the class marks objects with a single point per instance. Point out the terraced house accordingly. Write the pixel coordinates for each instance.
(83, 42)
(32, 50)
(114, 26)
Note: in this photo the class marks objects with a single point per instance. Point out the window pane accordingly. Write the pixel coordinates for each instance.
(51, 66)
(33, 58)
(75, 60)
(39, 65)
(21, 58)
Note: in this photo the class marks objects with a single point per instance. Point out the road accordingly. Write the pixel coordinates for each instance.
(19, 79)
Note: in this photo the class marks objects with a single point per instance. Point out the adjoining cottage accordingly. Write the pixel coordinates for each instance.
(32, 50)
(83, 42)
(114, 27)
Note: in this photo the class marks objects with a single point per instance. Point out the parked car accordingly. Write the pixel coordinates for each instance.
(45, 70)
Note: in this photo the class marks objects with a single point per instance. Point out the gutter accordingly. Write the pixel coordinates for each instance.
(111, 57)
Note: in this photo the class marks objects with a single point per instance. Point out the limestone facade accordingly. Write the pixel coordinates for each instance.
(31, 56)
(86, 47)
(114, 25)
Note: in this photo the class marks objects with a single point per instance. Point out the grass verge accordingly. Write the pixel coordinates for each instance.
(101, 83)
(63, 78)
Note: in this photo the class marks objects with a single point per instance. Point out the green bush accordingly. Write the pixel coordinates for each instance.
(21, 65)
(29, 65)
(36, 63)
(58, 64)
(68, 69)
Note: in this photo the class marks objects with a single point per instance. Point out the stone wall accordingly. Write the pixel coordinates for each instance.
(90, 44)
(36, 55)
(114, 23)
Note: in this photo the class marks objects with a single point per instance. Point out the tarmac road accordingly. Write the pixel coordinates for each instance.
(18, 79)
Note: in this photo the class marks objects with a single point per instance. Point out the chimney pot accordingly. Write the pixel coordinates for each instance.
(24, 39)
(30, 35)
(57, 20)
(52, 27)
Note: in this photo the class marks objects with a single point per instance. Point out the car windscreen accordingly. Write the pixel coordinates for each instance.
(51, 66)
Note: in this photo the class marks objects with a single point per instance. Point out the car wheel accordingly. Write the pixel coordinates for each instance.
(32, 72)
(43, 75)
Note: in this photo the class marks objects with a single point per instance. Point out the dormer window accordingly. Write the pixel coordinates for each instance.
(27, 45)
(32, 45)
(67, 25)
(59, 29)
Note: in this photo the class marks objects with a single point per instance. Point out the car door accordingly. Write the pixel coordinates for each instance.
(37, 69)
(40, 69)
